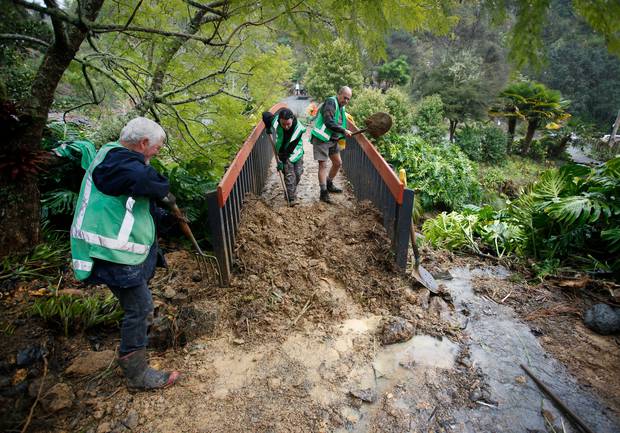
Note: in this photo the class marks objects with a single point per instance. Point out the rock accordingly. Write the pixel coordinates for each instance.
(30, 355)
(33, 387)
(442, 274)
(104, 427)
(475, 395)
(274, 383)
(396, 330)
(131, 420)
(59, 397)
(89, 363)
(603, 319)
(423, 297)
(98, 414)
(169, 293)
(196, 276)
(368, 395)
(439, 308)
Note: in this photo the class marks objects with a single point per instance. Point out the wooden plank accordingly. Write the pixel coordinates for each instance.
(228, 180)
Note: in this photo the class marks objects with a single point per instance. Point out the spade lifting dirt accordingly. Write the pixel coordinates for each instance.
(377, 124)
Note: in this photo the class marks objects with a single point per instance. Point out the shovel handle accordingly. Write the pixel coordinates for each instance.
(359, 131)
(414, 245)
(275, 154)
(184, 226)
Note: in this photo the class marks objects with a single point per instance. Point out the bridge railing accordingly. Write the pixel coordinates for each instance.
(247, 173)
(373, 179)
(369, 174)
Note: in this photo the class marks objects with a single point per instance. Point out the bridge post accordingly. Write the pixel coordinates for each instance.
(402, 229)
(216, 224)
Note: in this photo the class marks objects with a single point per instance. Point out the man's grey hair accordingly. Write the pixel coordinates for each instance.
(344, 89)
(139, 128)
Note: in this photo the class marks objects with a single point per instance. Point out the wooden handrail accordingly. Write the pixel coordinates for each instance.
(392, 181)
(228, 180)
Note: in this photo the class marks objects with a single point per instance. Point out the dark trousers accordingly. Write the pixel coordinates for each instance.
(137, 303)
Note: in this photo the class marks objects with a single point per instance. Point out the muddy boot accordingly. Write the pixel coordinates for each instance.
(333, 188)
(140, 376)
(325, 197)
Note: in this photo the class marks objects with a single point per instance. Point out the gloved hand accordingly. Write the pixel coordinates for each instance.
(280, 166)
(267, 120)
(170, 200)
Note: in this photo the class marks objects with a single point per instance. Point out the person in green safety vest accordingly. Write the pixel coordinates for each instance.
(289, 146)
(329, 127)
(114, 239)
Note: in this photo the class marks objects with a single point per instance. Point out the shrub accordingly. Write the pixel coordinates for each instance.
(399, 106)
(72, 313)
(443, 175)
(482, 142)
(494, 144)
(366, 102)
(428, 116)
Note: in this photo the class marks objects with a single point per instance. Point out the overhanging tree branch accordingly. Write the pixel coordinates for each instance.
(207, 96)
(26, 38)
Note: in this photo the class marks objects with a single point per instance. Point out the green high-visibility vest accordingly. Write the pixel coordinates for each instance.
(116, 229)
(321, 131)
(298, 152)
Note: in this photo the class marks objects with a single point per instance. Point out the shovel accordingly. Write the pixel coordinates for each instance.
(419, 273)
(275, 154)
(377, 125)
(208, 265)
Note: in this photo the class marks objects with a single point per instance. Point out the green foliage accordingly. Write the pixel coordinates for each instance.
(335, 64)
(482, 142)
(570, 215)
(399, 107)
(472, 228)
(366, 102)
(442, 174)
(59, 202)
(580, 66)
(395, 73)
(45, 261)
(428, 117)
(395, 102)
(72, 314)
(460, 82)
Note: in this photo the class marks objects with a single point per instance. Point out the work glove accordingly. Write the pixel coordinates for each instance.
(267, 120)
(280, 166)
(169, 200)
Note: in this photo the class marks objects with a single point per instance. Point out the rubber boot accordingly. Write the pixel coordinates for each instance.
(325, 197)
(333, 188)
(139, 375)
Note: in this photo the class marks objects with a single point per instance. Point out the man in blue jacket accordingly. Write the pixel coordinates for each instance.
(114, 239)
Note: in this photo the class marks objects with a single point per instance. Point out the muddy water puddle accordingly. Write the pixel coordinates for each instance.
(498, 343)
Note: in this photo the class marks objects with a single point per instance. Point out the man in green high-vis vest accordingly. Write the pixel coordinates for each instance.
(114, 239)
(329, 127)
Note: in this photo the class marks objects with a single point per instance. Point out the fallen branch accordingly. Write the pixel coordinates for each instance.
(25, 427)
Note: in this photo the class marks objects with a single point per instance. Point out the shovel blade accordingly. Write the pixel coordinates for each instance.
(425, 278)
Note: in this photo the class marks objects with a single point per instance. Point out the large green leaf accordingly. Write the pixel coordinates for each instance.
(612, 236)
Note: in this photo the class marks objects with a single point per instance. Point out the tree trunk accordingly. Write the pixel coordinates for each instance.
(453, 124)
(532, 126)
(20, 150)
(512, 126)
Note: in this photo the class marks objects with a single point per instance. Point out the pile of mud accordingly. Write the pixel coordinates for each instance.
(291, 261)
